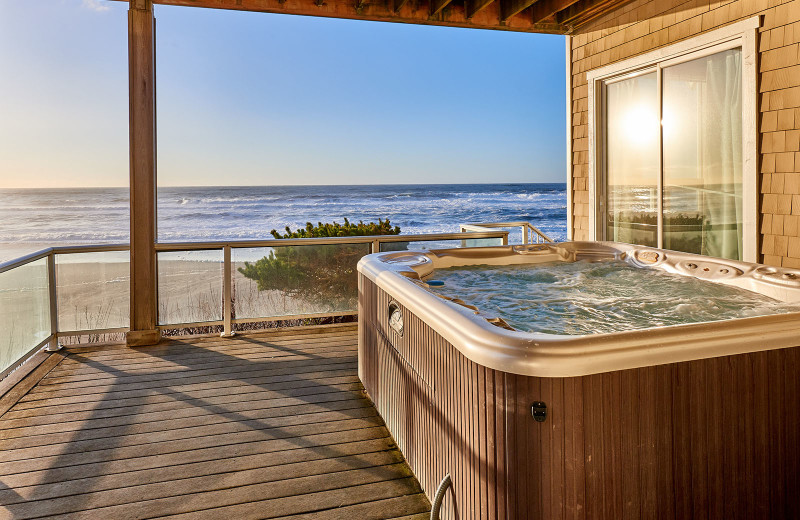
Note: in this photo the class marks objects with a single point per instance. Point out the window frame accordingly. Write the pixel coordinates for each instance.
(742, 34)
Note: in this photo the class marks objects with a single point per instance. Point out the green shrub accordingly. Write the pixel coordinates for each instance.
(382, 227)
(323, 273)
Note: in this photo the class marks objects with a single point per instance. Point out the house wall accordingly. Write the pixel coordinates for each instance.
(644, 25)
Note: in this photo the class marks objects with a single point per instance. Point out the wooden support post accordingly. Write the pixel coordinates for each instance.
(142, 76)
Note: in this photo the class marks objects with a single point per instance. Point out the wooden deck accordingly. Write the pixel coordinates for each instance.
(274, 425)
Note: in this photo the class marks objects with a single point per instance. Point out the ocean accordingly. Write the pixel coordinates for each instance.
(32, 219)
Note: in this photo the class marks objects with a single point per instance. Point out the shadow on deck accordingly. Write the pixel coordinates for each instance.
(274, 425)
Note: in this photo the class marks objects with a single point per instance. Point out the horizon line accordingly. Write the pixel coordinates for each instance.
(276, 185)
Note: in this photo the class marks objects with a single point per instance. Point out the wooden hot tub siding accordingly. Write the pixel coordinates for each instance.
(714, 438)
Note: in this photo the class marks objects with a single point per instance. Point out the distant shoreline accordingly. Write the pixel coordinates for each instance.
(231, 186)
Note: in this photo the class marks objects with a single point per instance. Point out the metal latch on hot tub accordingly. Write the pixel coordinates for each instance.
(396, 318)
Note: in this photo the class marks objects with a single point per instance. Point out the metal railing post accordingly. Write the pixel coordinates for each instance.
(52, 345)
(227, 300)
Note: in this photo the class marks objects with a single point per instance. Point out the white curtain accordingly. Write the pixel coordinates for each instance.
(722, 155)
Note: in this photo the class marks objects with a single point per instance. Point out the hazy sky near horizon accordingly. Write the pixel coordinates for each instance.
(258, 99)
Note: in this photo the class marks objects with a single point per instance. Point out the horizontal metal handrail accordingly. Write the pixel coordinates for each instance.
(273, 242)
(61, 250)
(97, 248)
(162, 247)
(23, 260)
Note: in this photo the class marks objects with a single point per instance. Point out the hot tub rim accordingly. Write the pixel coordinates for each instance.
(550, 355)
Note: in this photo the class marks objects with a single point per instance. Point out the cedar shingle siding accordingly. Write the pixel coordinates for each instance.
(643, 26)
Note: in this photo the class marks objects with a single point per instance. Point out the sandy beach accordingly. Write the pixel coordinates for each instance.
(192, 291)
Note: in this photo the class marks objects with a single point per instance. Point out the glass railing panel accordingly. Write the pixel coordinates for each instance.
(24, 311)
(93, 290)
(189, 287)
(514, 236)
(485, 242)
(296, 280)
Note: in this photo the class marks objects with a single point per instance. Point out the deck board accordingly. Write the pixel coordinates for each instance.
(274, 425)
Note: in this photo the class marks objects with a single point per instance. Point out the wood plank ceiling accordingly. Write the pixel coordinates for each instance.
(540, 16)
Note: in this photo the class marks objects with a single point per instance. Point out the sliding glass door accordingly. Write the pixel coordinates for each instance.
(673, 156)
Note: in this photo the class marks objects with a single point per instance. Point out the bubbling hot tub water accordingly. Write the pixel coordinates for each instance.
(591, 297)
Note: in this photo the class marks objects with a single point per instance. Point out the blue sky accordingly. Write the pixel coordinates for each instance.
(252, 99)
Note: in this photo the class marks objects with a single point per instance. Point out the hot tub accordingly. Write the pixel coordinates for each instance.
(697, 419)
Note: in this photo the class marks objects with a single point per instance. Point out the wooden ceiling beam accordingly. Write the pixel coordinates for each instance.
(575, 10)
(509, 8)
(585, 10)
(438, 5)
(544, 9)
(547, 16)
(473, 7)
(396, 5)
(398, 11)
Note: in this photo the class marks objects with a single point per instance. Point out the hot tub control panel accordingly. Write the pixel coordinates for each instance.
(708, 270)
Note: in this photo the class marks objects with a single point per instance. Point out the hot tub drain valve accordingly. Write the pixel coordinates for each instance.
(539, 411)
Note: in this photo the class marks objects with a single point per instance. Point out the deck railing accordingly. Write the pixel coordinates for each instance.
(83, 292)
(530, 233)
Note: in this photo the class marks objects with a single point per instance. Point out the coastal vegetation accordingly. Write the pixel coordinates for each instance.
(323, 272)
(348, 229)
